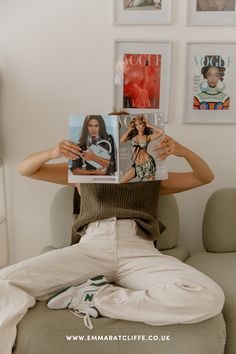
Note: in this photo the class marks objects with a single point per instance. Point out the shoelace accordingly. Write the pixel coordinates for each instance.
(85, 316)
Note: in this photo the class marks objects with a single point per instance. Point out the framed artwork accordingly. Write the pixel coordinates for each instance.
(210, 95)
(142, 76)
(142, 12)
(211, 12)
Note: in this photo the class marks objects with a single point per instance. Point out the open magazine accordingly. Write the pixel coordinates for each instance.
(117, 149)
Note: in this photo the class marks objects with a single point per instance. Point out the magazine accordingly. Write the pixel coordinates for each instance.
(117, 149)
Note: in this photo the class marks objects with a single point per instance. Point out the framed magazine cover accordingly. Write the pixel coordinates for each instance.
(142, 76)
(142, 12)
(210, 95)
(211, 12)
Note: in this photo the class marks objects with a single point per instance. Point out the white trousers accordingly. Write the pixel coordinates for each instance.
(149, 286)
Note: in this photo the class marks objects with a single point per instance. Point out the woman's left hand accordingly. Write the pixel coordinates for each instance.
(169, 147)
(88, 155)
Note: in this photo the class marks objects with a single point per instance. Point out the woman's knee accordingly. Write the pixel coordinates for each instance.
(206, 300)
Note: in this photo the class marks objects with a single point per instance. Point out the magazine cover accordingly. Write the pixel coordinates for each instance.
(142, 81)
(117, 149)
(140, 135)
(98, 138)
(211, 77)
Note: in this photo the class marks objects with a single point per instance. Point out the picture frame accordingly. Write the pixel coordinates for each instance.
(210, 97)
(142, 12)
(211, 13)
(142, 76)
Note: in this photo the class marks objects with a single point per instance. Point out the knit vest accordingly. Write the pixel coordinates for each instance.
(136, 201)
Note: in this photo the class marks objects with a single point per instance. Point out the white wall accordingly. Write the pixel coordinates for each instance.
(58, 59)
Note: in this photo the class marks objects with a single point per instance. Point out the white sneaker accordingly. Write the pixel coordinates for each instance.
(80, 299)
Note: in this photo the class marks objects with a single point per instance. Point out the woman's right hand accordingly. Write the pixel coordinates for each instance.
(66, 149)
(101, 171)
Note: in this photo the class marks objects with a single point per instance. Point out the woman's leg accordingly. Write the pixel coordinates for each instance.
(155, 288)
(129, 175)
(40, 276)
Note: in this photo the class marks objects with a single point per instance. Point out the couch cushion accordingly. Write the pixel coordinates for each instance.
(44, 331)
(179, 252)
(219, 221)
(169, 216)
(221, 267)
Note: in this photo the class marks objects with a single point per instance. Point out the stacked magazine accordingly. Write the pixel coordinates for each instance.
(117, 148)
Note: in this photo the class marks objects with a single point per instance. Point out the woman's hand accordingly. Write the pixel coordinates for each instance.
(169, 147)
(36, 165)
(131, 125)
(101, 171)
(88, 155)
(66, 149)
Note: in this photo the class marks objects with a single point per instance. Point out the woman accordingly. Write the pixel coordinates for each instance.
(117, 225)
(94, 134)
(141, 133)
(212, 96)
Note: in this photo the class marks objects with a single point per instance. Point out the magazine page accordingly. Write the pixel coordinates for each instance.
(98, 138)
(212, 74)
(140, 136)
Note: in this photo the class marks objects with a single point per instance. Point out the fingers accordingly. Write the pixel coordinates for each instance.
(165, 148)
(101, 171)
(69, 150)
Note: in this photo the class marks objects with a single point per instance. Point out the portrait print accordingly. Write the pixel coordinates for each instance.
(141, 81)
(211, 75)
(142, 4)
(215, 5)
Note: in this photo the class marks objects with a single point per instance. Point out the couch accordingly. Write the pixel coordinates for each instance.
(57, 332)
(219, 259)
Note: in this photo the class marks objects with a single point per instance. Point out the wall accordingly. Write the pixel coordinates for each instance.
(58, 59)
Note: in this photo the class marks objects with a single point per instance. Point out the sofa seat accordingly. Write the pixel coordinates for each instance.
(179, 252)
(44, 331)
(221, 267)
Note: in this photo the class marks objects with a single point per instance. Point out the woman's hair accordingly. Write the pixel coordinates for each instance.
(118, 113)
(140, 118)
(213, 61)
(102, 129)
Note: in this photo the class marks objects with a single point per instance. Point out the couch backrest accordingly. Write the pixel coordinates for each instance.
(219, 221)
(61, 219)
(169, 215)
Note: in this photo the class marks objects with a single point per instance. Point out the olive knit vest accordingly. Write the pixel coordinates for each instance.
(136, 201)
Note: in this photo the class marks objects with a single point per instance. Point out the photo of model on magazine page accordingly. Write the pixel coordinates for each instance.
(117, 149)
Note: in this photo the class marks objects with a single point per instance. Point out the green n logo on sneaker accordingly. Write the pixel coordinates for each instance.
(88, 297)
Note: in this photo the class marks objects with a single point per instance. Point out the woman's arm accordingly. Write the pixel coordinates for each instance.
(35, 165)
(125, 136)
(157, 132)
(97, 171)
(180, 181)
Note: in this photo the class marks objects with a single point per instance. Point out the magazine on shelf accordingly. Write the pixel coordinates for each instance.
(117, 149)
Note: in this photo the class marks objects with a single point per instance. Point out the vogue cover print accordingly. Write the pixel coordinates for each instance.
(141, 80)
(215, 5)
(140, 136)
(96, 136)
(211, 73)
(142, 4)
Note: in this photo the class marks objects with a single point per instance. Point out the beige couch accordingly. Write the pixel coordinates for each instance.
(219, 260)
(44, 331)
